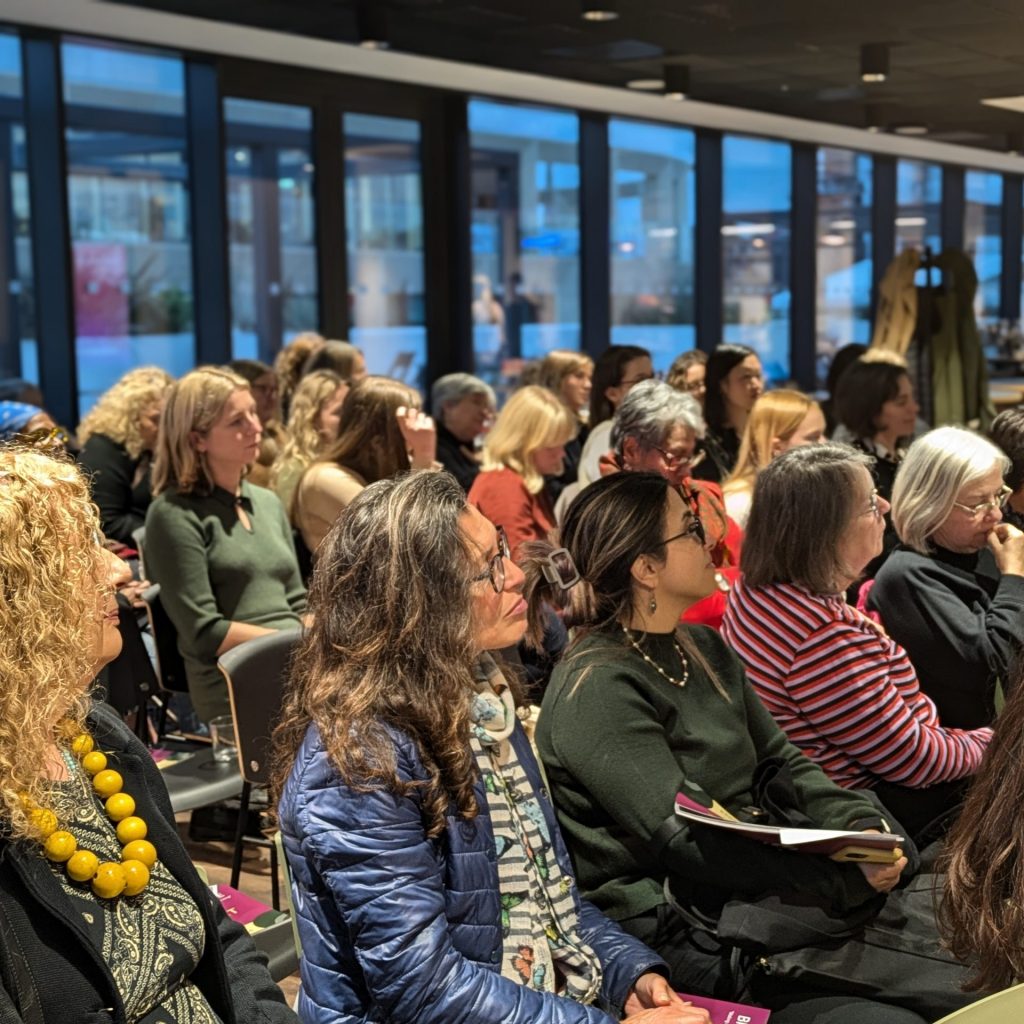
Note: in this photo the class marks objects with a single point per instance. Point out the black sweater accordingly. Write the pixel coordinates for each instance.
(960, 621)
(121, 500)
(457, 457)
(63, 977)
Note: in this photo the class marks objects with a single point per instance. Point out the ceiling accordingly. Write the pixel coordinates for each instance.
(794, 57)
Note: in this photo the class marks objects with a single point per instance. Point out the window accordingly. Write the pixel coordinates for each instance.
(756, 199)
(525, 234)
(384, 224)
(983, 226)
(652, 237)
(128, 201)
(918, 205)
(18, 355)
(843, 310)
(271, 225)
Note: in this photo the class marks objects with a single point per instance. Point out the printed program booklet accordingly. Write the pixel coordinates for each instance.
(722, 1012)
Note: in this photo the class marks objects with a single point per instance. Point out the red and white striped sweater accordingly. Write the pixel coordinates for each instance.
(844, 693)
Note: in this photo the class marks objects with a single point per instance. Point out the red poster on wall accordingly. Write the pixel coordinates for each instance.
(101, 299)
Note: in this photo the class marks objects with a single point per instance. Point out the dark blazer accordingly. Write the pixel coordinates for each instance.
(122, 502)
(50, 970)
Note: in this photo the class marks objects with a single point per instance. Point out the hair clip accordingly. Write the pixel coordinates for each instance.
(563, 578)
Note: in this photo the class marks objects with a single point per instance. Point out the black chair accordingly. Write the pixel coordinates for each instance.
(129, 680)
(256, 672)
(170, 666)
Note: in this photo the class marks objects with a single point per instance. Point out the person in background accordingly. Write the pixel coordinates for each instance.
(780, 420)
(954, 593)
(640, 709)
(431, 882)
(312, 427)
(30, 425)
(688, 373)
(842, 691)
(266, 393)
(617, 370)
(843, 358)
(92, 918)
(288, 364)
(220, 548)
(463, 408)
(524, 449)
(734, 382)
(117, 438)
(1007, 434)
(570, 376)
(381, 433)
(340, 357)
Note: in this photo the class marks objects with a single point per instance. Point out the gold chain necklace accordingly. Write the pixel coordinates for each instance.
(107, 879)
(657, 668)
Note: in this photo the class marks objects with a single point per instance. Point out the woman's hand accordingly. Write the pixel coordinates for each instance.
(1007, 545)
(654, 1001)
(420, 436)
(883, 877)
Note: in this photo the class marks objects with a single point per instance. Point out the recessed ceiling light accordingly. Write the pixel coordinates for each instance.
(677, 81)
(911, 222)
(598, 10)
(910, 129)
(1006, 103)
(372, 28)
(843, 225)
(834, 240)
(874, 62)
(646, 84)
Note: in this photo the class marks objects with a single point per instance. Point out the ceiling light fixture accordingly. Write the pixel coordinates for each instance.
(874, 117)
(372, 27)
(910, 129)
(874, 62)
(677, 81)
(599, 10)
(646, 84)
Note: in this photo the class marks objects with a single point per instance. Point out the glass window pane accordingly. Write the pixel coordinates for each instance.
(18, 355)
(525, 234)
(756, 199)
(653, 197)
(271, 225)
(384, 224)
(983, 227)
(128, 200)
(843, 311)
(918, 205)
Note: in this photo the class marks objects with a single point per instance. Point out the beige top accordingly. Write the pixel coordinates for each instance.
(324, 490)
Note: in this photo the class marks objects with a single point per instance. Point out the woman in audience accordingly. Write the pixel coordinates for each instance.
(844, 692)
(220, 548)
(526, 444)
(688, 372)
(779, 421)
(339, 357)
(844, 358)
(117, 439)
(640, 709)
(30, 425)
(264, 387)
(981, 913)
(92, 918)
(734, 382)
(431, 880)
(570, 376)
(618, 368)
(288, 364)
(381, 433)
(463, 407)
(1007, 434)
(954, 593)
(312, 426)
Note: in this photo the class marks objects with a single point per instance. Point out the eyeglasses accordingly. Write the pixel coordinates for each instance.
(873, 508)
(495, 570)
(630, 381)
(984, 507)
(673, 461)
(694, 531)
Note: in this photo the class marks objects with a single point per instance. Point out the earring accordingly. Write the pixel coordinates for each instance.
(653, 606)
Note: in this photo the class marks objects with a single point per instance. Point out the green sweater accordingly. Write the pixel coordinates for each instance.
(212, 571)
(617, 741)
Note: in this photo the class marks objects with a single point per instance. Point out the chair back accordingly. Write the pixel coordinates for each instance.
(170, 665)
(256, 672)
(1000, 1008)
(138, 539)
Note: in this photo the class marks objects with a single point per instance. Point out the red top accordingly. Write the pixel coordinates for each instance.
(501, 495)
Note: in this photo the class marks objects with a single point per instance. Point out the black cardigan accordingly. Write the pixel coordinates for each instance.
(122, 502)
(960, 621)
(62, 976)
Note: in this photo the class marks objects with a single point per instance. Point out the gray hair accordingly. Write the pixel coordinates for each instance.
(650, 411)
(803, 504)
(454, 387)
(936, 468)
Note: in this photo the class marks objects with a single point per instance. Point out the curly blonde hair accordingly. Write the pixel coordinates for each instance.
(51, 564)
(117, 413)
(304, 442)
(192, 407)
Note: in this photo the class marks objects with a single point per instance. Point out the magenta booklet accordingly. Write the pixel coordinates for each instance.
(728, 1013)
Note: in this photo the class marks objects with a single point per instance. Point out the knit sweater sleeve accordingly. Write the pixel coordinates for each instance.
(859, 691)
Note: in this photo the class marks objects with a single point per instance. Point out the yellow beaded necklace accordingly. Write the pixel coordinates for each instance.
(108, 879)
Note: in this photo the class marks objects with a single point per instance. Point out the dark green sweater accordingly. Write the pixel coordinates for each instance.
(617, 741)
(212, 571)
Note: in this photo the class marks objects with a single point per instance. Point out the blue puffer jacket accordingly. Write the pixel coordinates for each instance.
(399, 928)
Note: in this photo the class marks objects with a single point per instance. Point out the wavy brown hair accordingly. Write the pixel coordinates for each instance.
(51, 568)
(391, 646)
(981, 914)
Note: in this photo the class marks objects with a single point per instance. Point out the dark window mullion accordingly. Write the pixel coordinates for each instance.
(595, 234)
(708, 256)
